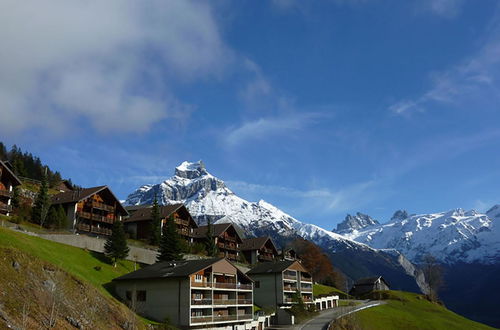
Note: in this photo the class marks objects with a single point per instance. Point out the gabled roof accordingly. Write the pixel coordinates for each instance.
(369, 281)
(272, 267)
(173, 269)
(9, 173)
(78, 195)
(144, 213)
(218, 230)
(256, 243)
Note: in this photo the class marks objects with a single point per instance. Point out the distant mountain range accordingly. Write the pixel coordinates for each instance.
(208, 197)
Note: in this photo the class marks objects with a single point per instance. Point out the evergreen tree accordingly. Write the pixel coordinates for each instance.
(170, 244)
(212, 250)
(16, 198)
(52, 217)
(154, 238)
(42, 203)
(62, 218)
(116, 247)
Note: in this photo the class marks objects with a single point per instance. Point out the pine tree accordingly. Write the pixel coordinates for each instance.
(42, 204)
(16, 198)
(154, 238)
(170, 245)
(61, 217)
(212, 250)
(116, 247)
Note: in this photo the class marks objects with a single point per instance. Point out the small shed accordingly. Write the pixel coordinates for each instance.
(369, 284)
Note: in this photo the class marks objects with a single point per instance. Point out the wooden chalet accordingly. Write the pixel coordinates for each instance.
(226, 237)
(259, 249)
(367, 285)
(138, 225)
(8, 180)
(64, 186)
(91, 210)
(288, 254)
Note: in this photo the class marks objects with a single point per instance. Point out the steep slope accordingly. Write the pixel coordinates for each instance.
(207, 197)
(453, 236)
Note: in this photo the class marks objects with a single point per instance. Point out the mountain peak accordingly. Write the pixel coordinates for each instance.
(494, 212)
(191, 170)
(399, 215)
(355, 222)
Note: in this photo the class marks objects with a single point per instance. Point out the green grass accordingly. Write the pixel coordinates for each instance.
(319, 289)
(78, 262)
(405, 310)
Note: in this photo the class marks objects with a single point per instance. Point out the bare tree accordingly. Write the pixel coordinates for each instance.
(433, 273)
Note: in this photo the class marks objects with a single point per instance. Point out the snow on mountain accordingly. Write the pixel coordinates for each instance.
(354, 223)
(453, 236)
(208, 198)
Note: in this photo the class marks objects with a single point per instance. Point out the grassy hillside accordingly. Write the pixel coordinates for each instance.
(320, 289)
(406, 310)
(86, 265)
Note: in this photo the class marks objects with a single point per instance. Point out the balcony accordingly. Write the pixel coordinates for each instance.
(289, 288)
(5, 207)
(224, 301)
(102, 206)
(100, 230)
(5, 193)
(305, 278)
(219, 318)
(181, 222)
(306, 289)
(288, 300)
(266, 257)
(82, 227)
(206, 301)
(290, 277)
(201, 319)
(244, 286)
(244, 301)
(226, 285)
(245, 317)
(203, 284)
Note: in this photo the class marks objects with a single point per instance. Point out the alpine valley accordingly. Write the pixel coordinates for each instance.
(467, 243)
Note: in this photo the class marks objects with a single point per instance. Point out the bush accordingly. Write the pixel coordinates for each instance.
(197, 248)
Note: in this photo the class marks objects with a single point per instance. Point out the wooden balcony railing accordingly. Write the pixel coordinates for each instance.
(206, 301)
(102, 206)
(288, 300)
(203, 284)
(244, 301)
(225, 318)
(83, 227)
(306, 289)
(225, 285)
(245, 317)
(289, 288)
(5, 193)
(201, 319)
(242, 286)
(290, 277)
(181, 222)
(224, 301)
(98, 230)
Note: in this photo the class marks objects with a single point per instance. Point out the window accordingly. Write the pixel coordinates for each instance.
(128, 295)
(198, 278)
(141, 295)
(257, 284)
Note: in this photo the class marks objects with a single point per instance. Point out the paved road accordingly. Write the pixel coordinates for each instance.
(322, 321)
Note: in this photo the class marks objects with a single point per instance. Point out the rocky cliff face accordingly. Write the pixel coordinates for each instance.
(357, 222)
(208, 197)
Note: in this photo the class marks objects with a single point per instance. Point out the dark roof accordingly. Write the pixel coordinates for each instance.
(218, 229)
(78, 195)
(11, 174)
(255, 243)
(369, 280)
(172, 269)
(132, 208)
(271, 267)
(167, 269)
(144, 213)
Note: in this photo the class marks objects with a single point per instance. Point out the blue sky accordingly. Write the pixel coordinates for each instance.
(321, 107)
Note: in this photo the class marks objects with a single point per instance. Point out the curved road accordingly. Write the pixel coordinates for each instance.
(325, 317)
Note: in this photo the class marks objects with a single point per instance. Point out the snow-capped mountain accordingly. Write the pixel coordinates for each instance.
(453, 236)
(208, 197)
(355, 222)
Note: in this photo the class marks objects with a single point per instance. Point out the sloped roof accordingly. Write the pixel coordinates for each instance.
(218, 229)
(271, 267)
(144, 213)
(10, 173)
(78, 195)
(172, 269)
(256, 243)
(369, 281)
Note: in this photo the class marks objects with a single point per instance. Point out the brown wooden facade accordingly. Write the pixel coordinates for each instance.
(8, 180)
(259, 249)
(91, 210)
(226, 238)
(138, 225)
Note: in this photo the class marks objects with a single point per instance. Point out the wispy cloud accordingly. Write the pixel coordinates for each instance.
(65, 63)
(263, 128)
(473, 80)
(444, 8)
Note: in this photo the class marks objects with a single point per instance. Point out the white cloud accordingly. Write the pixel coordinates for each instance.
(472, 82)
(266, 127)
(65, 61)
(445, 8)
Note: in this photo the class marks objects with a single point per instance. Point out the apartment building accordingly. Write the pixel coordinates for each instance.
(91, 210)
(138, 224)
(277, 282)
(207, 293)
(259, 249)
(8, 180)
(226, 238)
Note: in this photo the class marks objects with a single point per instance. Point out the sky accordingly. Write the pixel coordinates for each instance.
(321, 108)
